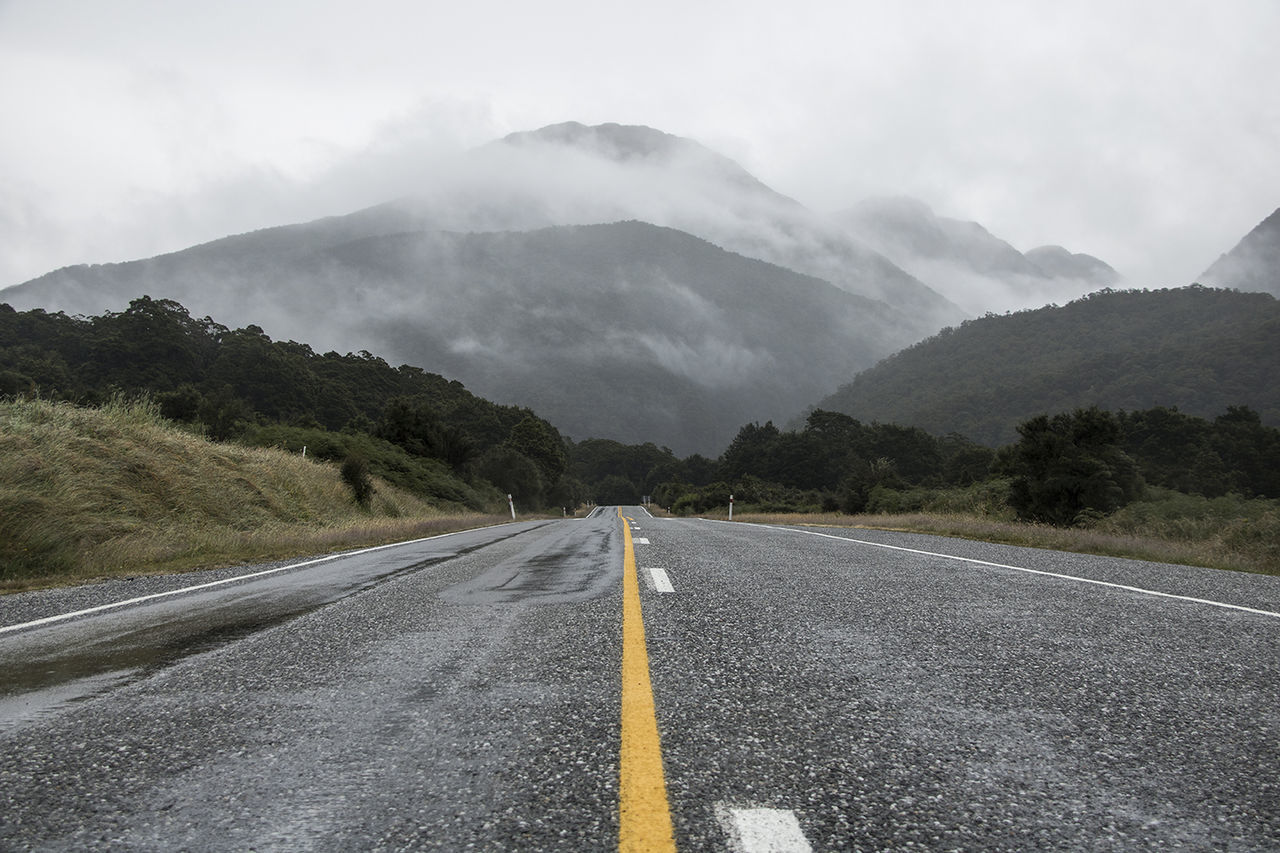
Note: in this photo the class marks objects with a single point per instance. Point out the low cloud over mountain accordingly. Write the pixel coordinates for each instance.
(968, 264)
(1254, 263)
(624, 282)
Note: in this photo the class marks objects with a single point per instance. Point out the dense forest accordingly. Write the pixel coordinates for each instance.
(433, 437)
(414, 428)
(1195, 348)
(1063, 468)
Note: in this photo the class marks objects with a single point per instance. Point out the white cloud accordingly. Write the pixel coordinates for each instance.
(1141, 132)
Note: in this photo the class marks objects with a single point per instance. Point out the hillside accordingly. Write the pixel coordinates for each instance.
(425, 433)
(88, 492)
(541, 267)
(1197, 349)
(1254, 263)
(627, 330)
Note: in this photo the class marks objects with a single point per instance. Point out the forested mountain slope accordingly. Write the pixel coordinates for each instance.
(627, 331)
(541, 268)
(1198, 349)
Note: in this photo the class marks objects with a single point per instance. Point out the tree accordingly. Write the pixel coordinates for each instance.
(411, 423)
(540, 442)
(616, 490)
(750, 451)
(1069, 464)
(224, 414)
(515, 474)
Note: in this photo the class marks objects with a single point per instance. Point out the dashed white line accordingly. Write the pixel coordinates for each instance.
(661, 581)
(753, 830)
(639, 540)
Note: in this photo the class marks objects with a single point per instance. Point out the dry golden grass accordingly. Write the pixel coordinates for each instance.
(1221, 547)
(86, 493)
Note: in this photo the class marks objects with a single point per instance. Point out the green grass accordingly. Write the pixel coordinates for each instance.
(88, 493)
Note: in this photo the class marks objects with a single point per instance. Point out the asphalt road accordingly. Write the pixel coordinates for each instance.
(810, 691)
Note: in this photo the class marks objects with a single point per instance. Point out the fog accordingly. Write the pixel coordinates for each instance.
(1142, 133)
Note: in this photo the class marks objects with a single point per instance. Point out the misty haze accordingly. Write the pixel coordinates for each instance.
(707, 426)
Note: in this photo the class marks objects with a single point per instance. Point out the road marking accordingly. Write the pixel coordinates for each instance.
(1059, 575)
(644, 816)
(125, 602)
(661, 582)
(762, 830)
(640, 540)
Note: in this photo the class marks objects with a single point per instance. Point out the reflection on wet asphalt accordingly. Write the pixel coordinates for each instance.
(560, 567)
(50, 667)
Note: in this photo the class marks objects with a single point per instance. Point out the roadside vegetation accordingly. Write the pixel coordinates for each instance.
(1228, 533)
(1155, 485)
(422, 432)
(248, 448)
(118, 489)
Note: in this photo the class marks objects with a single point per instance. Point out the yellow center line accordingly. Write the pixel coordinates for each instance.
(644, 817)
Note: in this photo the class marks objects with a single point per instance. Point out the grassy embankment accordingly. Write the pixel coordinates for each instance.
(1227, 533)
(87, 493)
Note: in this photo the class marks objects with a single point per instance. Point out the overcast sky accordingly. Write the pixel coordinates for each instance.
(1145, 132)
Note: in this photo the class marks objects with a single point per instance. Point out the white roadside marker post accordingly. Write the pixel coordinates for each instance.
(511, 503)
(731, 507)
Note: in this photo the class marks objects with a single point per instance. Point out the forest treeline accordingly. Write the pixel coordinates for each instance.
(415, 429)
(433, 437)
(1196, 348)
(1063, 469)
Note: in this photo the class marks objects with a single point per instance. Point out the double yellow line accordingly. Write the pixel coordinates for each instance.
(644, 816)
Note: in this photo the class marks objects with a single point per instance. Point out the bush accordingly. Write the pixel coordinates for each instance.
(355, 473)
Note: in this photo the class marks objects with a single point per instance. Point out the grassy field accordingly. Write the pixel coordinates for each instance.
(1240, 536)
(87, 493)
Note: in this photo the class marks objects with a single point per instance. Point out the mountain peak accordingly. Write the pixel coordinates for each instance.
(1055, 261)
(620, 142)
(1254, 264)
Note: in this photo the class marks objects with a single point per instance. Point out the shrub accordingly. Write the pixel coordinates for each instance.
(355, 473)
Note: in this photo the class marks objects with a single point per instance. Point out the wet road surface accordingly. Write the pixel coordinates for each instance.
(464, 693)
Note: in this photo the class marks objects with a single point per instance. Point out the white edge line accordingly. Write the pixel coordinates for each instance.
(125, 602)
(1014, 568)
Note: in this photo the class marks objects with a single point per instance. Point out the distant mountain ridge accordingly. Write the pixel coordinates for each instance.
(624, 330)
(968, 264)
(1254, 263)
(738, 303)
(1197, 349)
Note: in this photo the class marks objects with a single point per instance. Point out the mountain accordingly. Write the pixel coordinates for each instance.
(525, 270)
(966, 263)
(572, 174)
(624, 330)
(537, 267)
(1197, 349)
(1254, 264)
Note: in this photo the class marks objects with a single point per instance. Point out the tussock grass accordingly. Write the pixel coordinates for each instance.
(118, 490)
(1244, 543)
